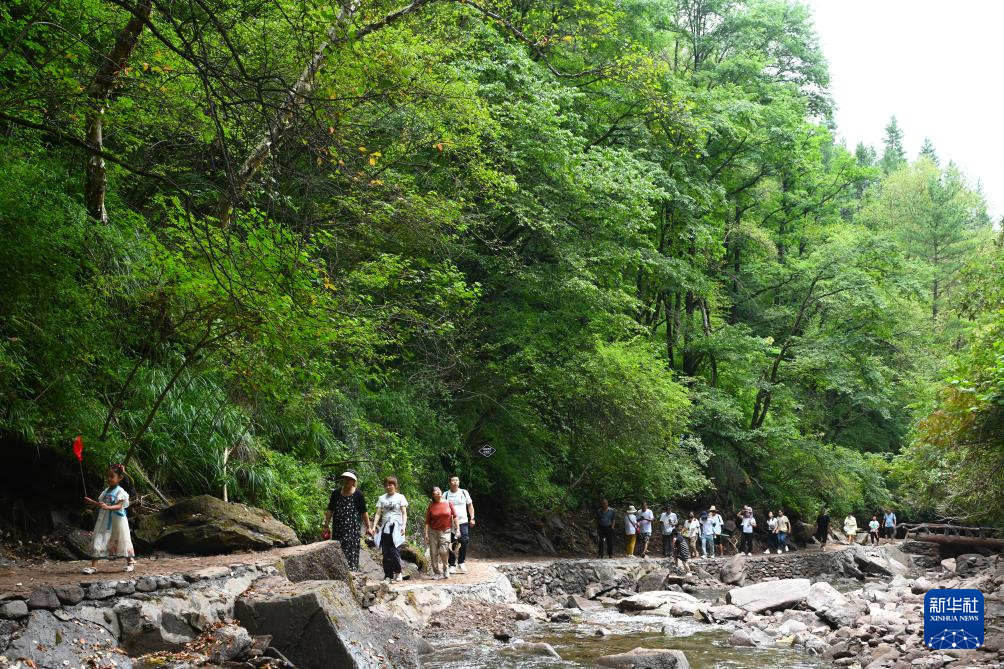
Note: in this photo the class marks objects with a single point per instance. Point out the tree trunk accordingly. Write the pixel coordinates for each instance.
(690, 356)
(99, 89)
(296, 98)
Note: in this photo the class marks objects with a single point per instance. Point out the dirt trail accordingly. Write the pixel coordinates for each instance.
(22, 580)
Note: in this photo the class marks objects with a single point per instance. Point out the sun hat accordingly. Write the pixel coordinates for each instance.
(631, 509)
(349, 474)
(712, 508)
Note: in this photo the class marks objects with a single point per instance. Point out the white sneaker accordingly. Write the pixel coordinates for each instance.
(778, 551)
(462, 569)
(88, 570)
(767, 552)
(399, 577)
(449, 570)
(785, 549)
(129, 567)
(446, 574)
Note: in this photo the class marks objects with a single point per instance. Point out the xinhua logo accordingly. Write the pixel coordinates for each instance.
(953, 619)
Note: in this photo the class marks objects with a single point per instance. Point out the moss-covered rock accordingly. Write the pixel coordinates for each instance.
(206, 525)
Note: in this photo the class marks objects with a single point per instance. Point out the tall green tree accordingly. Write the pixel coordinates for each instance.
(893, 153)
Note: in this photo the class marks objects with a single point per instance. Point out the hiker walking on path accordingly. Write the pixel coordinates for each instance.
(111, 529)
(693, 527)
(823, 527)
(345, 516)
(873, 530)
(668, 520)
(718, 524)
(631, 529)
(771, 532)
(606, 521)
(851, 528)
(889, 525)
(783, 529)
(440, 521)
(680, 547)
(464, 506)
(392, 519)
(748, 524)
(645, 518)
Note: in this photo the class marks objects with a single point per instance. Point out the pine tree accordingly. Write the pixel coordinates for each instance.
(894, 156)
(865, 154)
(927, 151)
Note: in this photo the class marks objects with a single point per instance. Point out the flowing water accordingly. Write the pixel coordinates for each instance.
(704, 645)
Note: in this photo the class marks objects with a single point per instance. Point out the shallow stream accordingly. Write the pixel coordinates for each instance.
(576, 642)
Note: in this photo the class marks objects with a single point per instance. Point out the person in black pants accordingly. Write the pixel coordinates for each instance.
(823, 527)
(748, 523)
(606, 521)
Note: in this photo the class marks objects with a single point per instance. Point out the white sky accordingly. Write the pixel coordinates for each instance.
(936, 65)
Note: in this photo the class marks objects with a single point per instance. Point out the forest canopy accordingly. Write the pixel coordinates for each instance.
(247, 244)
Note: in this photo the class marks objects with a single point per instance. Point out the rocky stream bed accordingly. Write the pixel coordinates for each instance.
(855, 607)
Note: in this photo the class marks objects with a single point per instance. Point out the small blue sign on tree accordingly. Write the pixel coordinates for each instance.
(953, 619)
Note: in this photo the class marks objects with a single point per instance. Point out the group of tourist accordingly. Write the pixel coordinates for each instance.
(877, 530)
(448, 519)
(701, 532)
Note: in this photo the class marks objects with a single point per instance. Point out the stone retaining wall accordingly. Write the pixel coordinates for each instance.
(101, 625)
(534, 583)
(138, 615)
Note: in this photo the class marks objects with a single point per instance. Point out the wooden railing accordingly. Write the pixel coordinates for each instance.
(948, 529)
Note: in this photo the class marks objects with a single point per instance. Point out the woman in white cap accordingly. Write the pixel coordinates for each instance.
(347, 508)
(631, 528)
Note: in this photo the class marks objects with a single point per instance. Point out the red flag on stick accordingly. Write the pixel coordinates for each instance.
(78, 450)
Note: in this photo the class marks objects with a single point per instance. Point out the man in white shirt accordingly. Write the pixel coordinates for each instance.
(645, 518)
(717, 524)
(463, 506)
(668, 519)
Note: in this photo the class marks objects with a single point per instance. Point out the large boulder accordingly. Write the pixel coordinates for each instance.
(655, 580)
(646, 658)
(733, 572)
(971, 564)
(318, 562)
(205, 525)
(925, 554)
(831, 605)
(318, 625)
(51, 643)
(770, 595)
(719, 614)
(647, 601)
(876, 561)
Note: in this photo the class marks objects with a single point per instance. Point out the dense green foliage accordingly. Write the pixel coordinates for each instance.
(614, 240)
